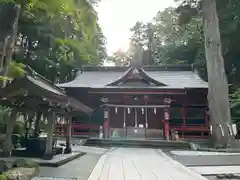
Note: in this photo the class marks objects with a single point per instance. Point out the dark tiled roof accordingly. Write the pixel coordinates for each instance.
(174, 77)
(39, 87)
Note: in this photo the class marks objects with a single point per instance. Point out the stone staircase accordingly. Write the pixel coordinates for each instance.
(142, 143)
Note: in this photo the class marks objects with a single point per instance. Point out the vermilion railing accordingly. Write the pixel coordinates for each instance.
(85, 129)
(192, 127)
(196, 128)
(77, 129)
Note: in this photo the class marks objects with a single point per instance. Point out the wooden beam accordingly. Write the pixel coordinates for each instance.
(136, 106)
(138, 92)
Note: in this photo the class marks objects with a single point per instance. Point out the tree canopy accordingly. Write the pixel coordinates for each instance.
(175, 36)
(56, 36)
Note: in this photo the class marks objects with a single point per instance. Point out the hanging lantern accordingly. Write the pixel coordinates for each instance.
(116, 110)
(142, 111)
(155, 111)
(128, 110)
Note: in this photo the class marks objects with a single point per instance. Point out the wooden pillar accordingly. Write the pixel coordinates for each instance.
(68, 134)
(206, 117)
(135, 118)
(50, 130)
(167, 102)
(183, 114)
(90, 127)
(166, 123)
(7, 145)
(124, 117)
(106, 123)
(146, 122)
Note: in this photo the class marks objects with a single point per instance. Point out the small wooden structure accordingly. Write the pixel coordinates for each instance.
(33, 93)
(145, 102)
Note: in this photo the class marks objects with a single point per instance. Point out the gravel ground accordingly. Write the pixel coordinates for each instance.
(212, 177)
(78, 169)
(206, 160)
(54, 178)
(215, 178)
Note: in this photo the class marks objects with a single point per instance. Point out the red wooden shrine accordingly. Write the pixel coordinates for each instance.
(148, 102)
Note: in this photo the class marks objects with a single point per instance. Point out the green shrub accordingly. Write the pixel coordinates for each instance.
(2, 177)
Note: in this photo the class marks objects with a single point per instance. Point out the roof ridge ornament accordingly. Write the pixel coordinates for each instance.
(135, 74)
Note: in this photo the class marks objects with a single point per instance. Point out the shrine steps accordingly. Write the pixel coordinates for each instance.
(140, 143)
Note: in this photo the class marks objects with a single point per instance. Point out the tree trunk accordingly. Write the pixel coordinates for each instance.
(9, 44)
(7, 146)
(217, 82)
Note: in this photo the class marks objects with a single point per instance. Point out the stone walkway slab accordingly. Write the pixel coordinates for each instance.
(202, 153)
(213, 170)
(207, 160)
(140, 164)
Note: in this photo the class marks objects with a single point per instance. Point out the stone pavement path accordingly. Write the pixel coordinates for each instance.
(140, 164)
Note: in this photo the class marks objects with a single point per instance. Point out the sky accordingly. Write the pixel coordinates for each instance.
(116, 17)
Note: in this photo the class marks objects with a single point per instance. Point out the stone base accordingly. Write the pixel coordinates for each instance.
(6, 154)
(48, 156)
(60, 159)
(67, 150)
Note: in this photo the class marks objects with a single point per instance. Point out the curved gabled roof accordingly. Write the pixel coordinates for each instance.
(102, 77)
(135, 74)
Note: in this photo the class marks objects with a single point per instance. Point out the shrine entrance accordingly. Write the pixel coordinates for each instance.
(136, 122)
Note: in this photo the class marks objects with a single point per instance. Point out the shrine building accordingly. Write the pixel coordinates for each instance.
(146, 102)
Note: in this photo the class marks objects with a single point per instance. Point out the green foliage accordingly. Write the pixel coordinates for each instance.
(16, 69)
(56, 36)
(3, 177)
(229, 22)
(4, 114)
(2, 137)
(170, 42)
(177, 34)
(235, 106)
